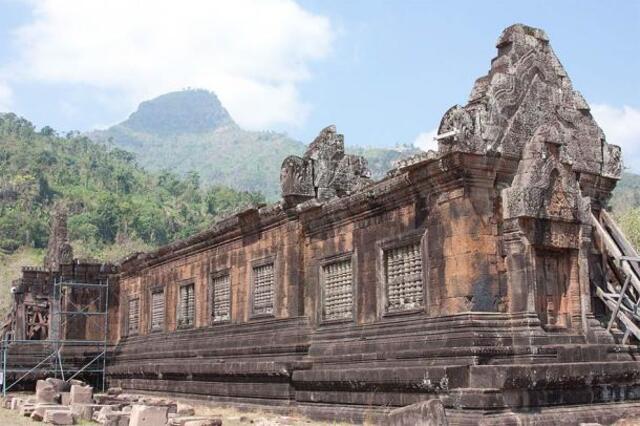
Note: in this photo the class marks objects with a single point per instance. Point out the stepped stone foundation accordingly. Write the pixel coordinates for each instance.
(460, 287)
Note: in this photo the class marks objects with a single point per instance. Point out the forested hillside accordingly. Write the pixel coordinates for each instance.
(625, 205)
(109, 197)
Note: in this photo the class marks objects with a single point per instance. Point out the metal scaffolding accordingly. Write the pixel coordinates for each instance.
(48, 356)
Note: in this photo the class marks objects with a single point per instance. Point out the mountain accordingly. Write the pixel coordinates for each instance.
(190, 130)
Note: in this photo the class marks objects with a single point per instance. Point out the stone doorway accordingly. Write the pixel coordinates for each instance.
(553, 271)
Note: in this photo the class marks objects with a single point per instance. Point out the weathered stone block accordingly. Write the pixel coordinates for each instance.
(76, 382)
(65, 398)
(46, 392)
(15, 403)
(114, 391)
(85, 411)
(207, 422)
(27, 409)
(58, 417)
(81, 394)
(58, 384)
(6, 402)
(425, 413)
(116, 418)
(144, 415)
(182, 420)
(185, 409)
(40, 410)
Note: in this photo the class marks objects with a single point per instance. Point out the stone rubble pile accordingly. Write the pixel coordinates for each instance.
(60, 402)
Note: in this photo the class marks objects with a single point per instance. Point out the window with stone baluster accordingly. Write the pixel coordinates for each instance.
(336, 281)
(157, 309)
(133, 322)
(262, 288)
(403, 278)
(186, 305)
(220, 297)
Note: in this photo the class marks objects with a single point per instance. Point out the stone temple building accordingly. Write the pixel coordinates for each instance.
(480, 275)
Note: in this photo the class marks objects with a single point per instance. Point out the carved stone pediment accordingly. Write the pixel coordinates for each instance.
(296, 179)
(527, 87)
(545, 186)
(324, 172)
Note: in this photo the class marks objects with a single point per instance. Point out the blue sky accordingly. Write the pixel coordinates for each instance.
(383, 71)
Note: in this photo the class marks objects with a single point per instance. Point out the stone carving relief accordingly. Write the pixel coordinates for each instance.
(545, 185)
(324, 172)
(37, 321)
(59, 251)
(456, 126)
(525, 88)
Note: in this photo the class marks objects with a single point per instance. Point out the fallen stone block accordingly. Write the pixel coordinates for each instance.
(115, 418)
(207, 422)
(46, 392)
(15, 403)
(58, 417)
(76, 382)
(185, 409)
(105, 399)
(148, 415)
(85, 411)
(27, 409)
(6, 402)
(100, 415)
(81, 394)
(182, 421)
(40, 410)
(425, 413)
(114, 391)
(58, 384)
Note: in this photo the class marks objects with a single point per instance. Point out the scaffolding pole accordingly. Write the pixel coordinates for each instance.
(53, 347)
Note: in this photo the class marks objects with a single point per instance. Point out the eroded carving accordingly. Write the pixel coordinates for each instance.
(59, 251)
(324, 172)
(525, 88)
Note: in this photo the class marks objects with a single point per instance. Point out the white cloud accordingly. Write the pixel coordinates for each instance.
(252, 53)
(6, 96)
(621, 127)
(425, 141)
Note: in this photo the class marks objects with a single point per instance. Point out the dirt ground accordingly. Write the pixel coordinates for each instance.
(229, 416)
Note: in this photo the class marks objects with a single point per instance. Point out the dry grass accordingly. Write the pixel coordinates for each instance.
(12, 418)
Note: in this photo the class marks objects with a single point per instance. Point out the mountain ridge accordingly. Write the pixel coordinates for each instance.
(194, 132)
